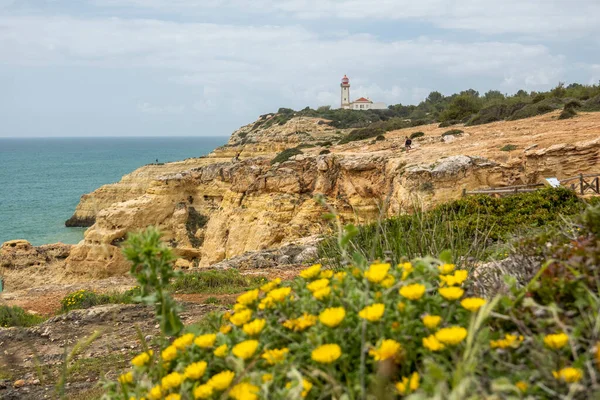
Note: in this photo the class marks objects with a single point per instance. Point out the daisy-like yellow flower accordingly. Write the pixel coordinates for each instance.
(597, 354)
(432, 344)
(244, 391)
(301, 323)
(173, 396)
(155, 393)
(265, 303)
(431, 321)
(569, 375)
(183, 341)
(142, 359)
(266, 378)
(326, 274)
(279, 295)
(508, 341)
(221, 351)
(275, 356)
(318, 285)
(326, 354)
(446, 269)
(401, 306)
(522, 386)
(171, 381)
(322, 293)
(203, 392)
(412, 292)
(241, 317)
(222, 380)
(126, 378)
(245, 349)
(267, 287)
(311, 272)
(237, 307)
(556, 341)
(373, 312)
(472, 303)
(356, 272)
(340, 275)
(388, 282)
(406, 268)
(306, 386)
(451, 293)
(169, 353)
(248, 298)
(387, 349)
(205, 341)
(377, 272)
(458, 278)
(415, 381)
(195, 370)
(452, 335)
(254, 327)
(332, 317)
(408, 385)
(225, 329)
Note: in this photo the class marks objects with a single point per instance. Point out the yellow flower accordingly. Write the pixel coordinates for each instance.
(356, 272)
(317, 285)
(183, 341)
(451, 293)
(332, 317)
(412, 292)
(266, 378)
(275, 356)
(556, 341)
(195, 370)
(388, 282)
(173, 396)
(401, 306)
(326, 353)
(237, 307)
(126, 378)
(431, 343)
(597, 354)
(245, 349)
(445, 269)
(340, 275)
(431, 321)
(240, 318)
(402, 386)
(254, 327)
(373, 312)
(322, 293)
(169, 353)
(472, 303)
(414, 381)
(171, 381)
(221, 381)
(301, 323)
(244, 391)
(142, 359)
(271, 285)
(267, 302)
(451, 336)
(407, 268)
(377, 272)
(508, 341)
(221, 351)
(457, 279)
(387, 349)
(311, 272)
(326, 274)
(248, 298)
(522, 386)
(306, 386)
(280, 294)
(569, 375)
(155, 393)
(203, 392)
(225, 329)
(205, 341)
(226, 316)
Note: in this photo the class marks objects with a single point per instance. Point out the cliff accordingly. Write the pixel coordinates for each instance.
(217, 209)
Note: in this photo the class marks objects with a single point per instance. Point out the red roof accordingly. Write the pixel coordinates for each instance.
(363, 100)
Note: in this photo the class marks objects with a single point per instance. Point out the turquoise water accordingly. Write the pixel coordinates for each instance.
(42, 179)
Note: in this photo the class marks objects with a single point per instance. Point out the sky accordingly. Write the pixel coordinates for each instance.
(207, 67)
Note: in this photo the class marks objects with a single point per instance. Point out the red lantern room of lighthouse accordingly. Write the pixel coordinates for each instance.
(345, 97)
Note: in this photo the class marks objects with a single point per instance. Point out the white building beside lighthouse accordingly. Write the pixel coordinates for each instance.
(359, 104)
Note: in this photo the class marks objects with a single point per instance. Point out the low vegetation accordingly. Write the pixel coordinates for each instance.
(16, 316)
(415, 135)
(215, 282)
(83, 298)
(453, 132)
(286, 155)
(508, 147)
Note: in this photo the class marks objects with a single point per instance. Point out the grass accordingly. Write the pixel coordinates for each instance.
(215, 282)
(16, 316)
(508, 147)
(452, 132)
(285, 155)
(83, 299)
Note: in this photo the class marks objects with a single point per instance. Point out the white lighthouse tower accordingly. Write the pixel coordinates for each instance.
(345, 85)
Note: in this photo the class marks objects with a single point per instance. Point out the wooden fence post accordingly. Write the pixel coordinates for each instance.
(581, 183)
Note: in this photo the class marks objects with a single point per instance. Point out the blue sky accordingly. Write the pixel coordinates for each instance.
(206, 67)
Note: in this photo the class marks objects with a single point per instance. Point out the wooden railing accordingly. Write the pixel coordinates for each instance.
(582, 184)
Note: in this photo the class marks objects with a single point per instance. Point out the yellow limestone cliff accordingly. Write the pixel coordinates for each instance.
(218, 209)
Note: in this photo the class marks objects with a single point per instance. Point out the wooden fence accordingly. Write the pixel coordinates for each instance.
(582, 184)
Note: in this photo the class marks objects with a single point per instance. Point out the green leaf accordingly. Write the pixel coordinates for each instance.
(446, 256)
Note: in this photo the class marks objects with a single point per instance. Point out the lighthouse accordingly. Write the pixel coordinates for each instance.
(345, 85)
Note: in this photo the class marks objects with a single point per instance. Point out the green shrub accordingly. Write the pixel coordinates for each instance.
(84, 298)
(593, 104)
(497, 112)
(567, 113)
(380, 138)
(285, 155)
(215, 282)
(452, 132)
(361, 134)
(534, 109)
(508, 147)
(462, 106)
(538, 97)
(324, 151)
(16, 316)
(415, 135)
(446, 124)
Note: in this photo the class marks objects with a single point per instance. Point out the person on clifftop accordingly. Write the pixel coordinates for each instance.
(408, 144)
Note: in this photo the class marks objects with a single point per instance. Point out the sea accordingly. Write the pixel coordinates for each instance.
(42, 179)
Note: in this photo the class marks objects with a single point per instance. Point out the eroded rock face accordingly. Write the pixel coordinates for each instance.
(19, 254)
